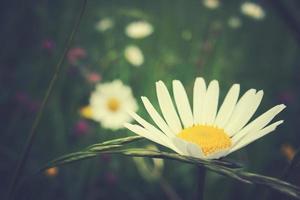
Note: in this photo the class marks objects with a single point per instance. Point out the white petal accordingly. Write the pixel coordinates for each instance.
(144, 133)
(194, 151)
(228, 106)
(218, 154)
(150, 127)
(182, 103)
(160, 122)
(211, 102)
(167, 107)
(181, 145)
(198, 100)
(259, 123)
(255, 135)
(245, 113)
(245, 106)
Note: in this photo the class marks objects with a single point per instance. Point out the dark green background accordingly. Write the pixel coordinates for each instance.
(260, 54)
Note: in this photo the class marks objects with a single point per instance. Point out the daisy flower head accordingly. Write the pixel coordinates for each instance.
(234, 22)
(204, 131)
(139, 29)
(134, 55)
(109, 102)
(211, 4)
(104, 24)
(253, 10)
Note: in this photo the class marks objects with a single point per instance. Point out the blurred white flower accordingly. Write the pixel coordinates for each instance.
(234, 22)
(211, 4)
(109, 104)
(139, 29)
(104, 24)
(134, 55)
(253, 10)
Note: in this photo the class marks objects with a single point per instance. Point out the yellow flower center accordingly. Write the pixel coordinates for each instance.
(209, 139)
(86, 112)
(113, 104)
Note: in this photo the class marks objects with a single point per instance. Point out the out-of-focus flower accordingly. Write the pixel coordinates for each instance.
(93, 77)
(234, 22)
(51, 172)
(146, 171)
(22, 97)
(104, 24)
(48, 44)
(211, 4)
(81, 127)
(288, 151)
(206, 132)
(111, 178)
(287, 97)
(33, 106)
(86, 112)
(109, 104)
(186, 35)
(253, 10)
(105, 157)
(139, 29)
(75, 54)
(27, 102)
(134, 55)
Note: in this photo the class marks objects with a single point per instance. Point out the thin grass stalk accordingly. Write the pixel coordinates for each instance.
(33, 130)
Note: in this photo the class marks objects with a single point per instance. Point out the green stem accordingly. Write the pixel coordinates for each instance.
(200, 182)
(32, 133)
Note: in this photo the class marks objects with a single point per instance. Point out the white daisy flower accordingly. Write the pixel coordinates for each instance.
(204, 131)
(109, 102)
(134, 55)
(104, 24)
(234, 22)
(253, 10)
(139, 29)
(211, 4)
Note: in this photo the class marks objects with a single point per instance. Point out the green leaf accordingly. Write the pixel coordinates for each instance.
(119, 141)
(81, 155)
(222, 167)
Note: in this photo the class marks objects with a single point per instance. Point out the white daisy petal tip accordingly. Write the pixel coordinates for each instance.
(236, 86)
(279, 122)
(214, 81)
(214, 84)
(200, 80)
(282, 106)
(176, 83)
(260, 93)
(157, 83)
(252, 91)
(160, 82)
